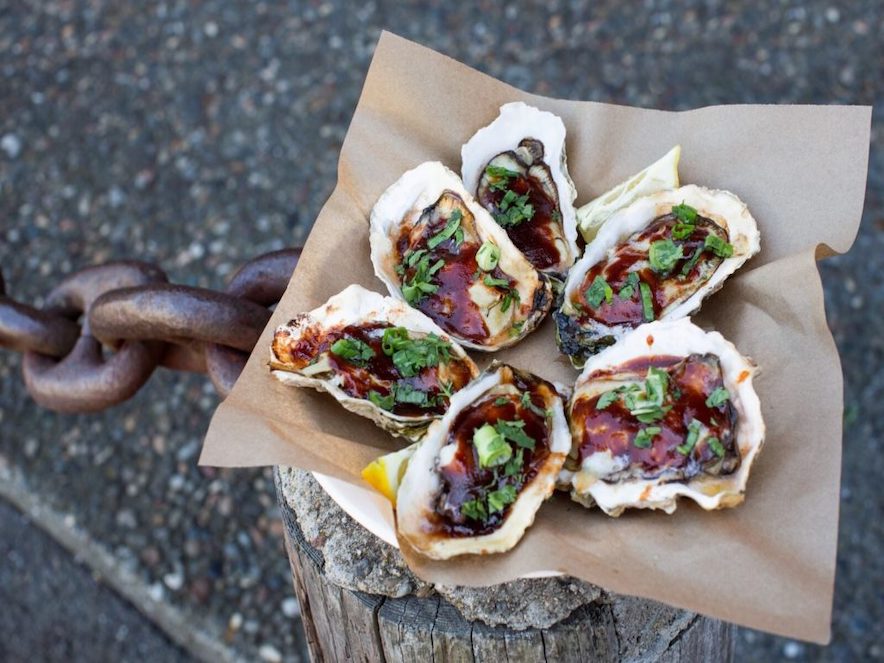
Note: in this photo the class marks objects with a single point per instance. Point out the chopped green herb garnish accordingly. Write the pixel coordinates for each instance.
(493, 282)
(691, 440)
(645, 436)
(716, 447)
(353, 350)
(685, 213)
(718, 397)
(647, 301)
(488, 256)
(513, 210)
(406, 393)
(606, 399)
(527, 403)
(689, 265)
(598, 291)
(628, 290)
(683, 230)
(383, 402)
(414, 256)
(474, 509)
(514, 432)
(718, 246)
(411, 355)
(419, 285)
(514, 465)
(501, 400)
(451, 227)
(664, 254)
(516, 327)
(447, 388)
(491, 446)
(510, 295)
(499, 499)
(500, 177)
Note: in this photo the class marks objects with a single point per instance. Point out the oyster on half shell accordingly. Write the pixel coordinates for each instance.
(669, 410)
(656, 259)
(481, 473)
(376, 356)
(435, 248)
(517, 169)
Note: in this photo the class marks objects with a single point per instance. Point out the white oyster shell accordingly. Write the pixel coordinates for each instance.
(722, 207)
(352, 306)
(402, 205)
(678, 338)
(516, 122)
(421, 484)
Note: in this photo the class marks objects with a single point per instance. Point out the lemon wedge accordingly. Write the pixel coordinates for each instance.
(384, 473)
(659, 176)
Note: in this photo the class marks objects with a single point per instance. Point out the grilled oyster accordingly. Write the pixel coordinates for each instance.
(483, 470)
(669, 410)
(435, 248)
(517, 169)
(376, 356)
(656, 259)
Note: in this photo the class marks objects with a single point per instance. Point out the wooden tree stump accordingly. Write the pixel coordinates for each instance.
(343, 624)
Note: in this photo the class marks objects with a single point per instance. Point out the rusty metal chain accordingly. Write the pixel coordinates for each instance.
(105, 329)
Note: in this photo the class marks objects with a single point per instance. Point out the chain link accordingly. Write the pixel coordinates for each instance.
(105, 329)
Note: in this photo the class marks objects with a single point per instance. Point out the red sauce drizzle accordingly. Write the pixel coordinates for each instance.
(378, 373)
(464, 479)
(615, 429)
(616, 269)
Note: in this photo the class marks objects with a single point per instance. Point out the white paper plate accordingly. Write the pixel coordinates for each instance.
(373, 511)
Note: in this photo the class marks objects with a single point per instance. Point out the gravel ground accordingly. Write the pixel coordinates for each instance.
(57, 609)
(197, 135)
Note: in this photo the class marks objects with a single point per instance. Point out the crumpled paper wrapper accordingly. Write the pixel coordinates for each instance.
(768, 564)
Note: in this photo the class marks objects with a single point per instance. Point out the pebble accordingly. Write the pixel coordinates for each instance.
(174, 581)
(291, 607)
(11, 145)
(269, 653)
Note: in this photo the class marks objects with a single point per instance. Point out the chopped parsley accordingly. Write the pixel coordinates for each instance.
(499, 499)
(718, 397)
(645, 436)
(411, 355)
(647, 301)
(685, 213)
(491, 446)
(383, 402)
(474, 509)
(501, 400)
(420, 285)
(718, 246)
(500, 177)
(691, 440)
(628, 290)
(606, 399)
(353, 350)
(514, 465)
(683, 230)
(488, 256)
(514, 431)
(528, 404)
(406, 393)
(598, 291)
(452, 229)
(513, 210)
(664, 254)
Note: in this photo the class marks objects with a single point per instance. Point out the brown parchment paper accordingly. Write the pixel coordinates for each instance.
(768, 564)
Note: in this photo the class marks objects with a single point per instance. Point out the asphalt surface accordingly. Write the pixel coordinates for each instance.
(197, 135)
(55, 610)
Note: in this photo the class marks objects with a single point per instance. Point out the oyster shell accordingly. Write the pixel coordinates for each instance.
(658, 258)
(669, 410)
(376, 356)
(434, 247)
(517, 169)
(481, 473)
